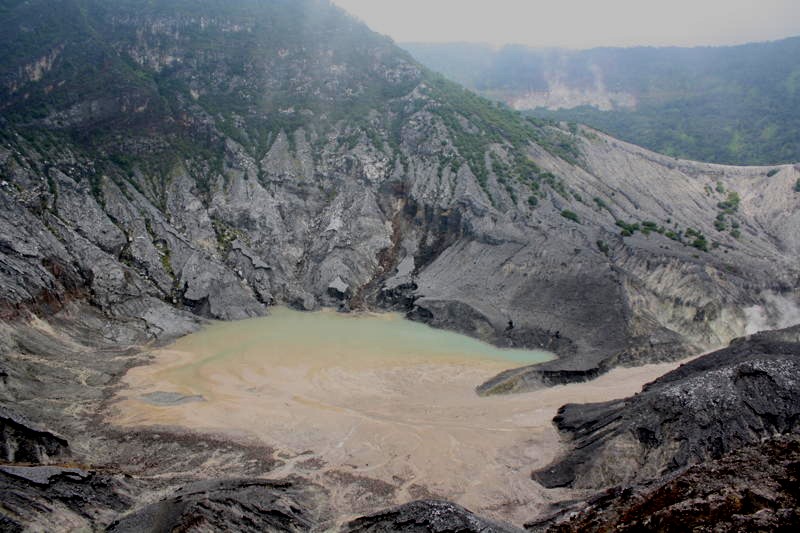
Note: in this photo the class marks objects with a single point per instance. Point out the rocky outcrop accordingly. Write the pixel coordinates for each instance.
(752, 489)
(22, 442)
(711, 406)
(240, 505)
(53, 498)
(427, 516)
(45, 475)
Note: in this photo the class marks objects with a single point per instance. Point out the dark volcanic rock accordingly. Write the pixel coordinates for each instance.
(427, 516)
(756, 488)
(660, 345)
(44, 475)
(58, 499)
(540, 375)
(229, 505)
(715, 404)
(22, 442)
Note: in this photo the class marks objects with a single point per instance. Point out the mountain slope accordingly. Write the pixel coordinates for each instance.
(279, 152)
(734, 104)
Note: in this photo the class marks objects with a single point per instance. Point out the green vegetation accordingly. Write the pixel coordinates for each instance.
(231, 87)
(570, 215)
(699, 240)
(694, 237)
(476, 124)
(736, 105)
(728, 208)
(226, 235)
(797, 185)
(731, 204)
(720, 224)
(773, 172)
(649, 226)
(600, 203)
(603, 247)
(705, 128)
(166, 261)
(628, 229)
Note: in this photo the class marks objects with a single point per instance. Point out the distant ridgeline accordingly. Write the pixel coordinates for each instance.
(735, 105)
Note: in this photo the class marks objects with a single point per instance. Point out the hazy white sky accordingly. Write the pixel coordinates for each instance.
(581, 23)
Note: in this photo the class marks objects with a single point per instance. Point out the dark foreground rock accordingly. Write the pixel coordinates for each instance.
(427, 516)
(718, 403)
(44, 475)
(22, 442)
(58, 499)
(660, 345)
(245, 505)
(756, 488)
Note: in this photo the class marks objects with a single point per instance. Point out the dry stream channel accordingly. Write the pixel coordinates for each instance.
(378, 409)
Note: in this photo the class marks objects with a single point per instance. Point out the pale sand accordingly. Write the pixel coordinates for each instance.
(416, 425)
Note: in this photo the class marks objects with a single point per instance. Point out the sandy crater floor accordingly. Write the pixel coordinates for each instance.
(374, 429)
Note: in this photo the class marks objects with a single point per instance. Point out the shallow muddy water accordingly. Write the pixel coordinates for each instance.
(377, 409)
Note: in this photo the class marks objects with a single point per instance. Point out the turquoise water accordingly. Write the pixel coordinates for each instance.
(333, 338)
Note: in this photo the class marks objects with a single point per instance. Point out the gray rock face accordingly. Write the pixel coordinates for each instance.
(707, 408)
(427, 516)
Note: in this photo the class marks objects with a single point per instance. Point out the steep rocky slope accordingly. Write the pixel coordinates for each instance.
(278, 152)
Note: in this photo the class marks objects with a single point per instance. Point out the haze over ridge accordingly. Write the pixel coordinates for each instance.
(581, 24)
